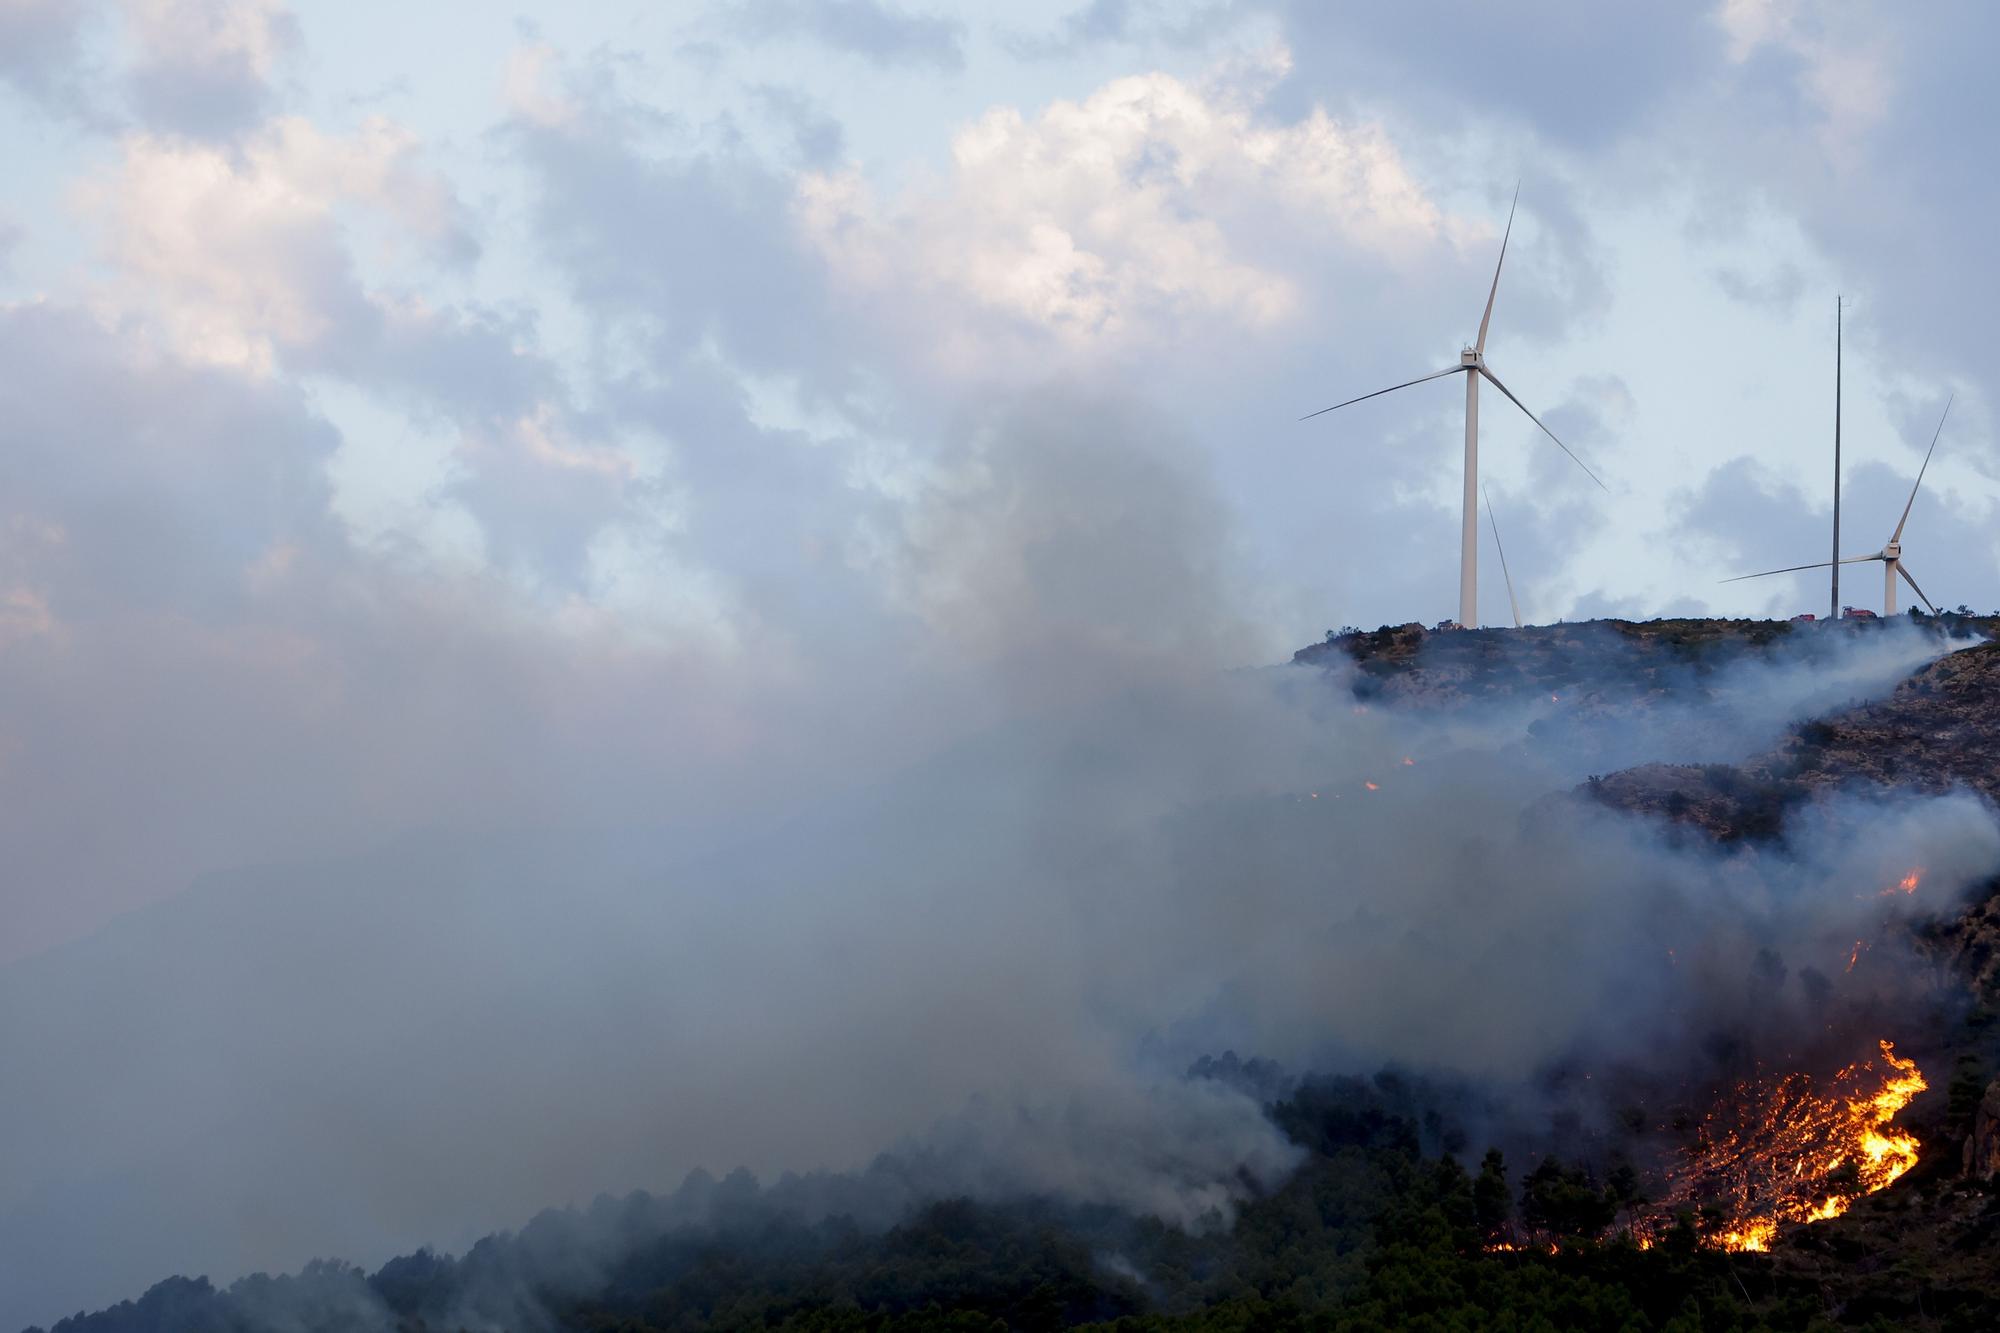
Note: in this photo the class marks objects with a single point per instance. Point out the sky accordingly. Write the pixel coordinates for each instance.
(410, 409)
(440, 427)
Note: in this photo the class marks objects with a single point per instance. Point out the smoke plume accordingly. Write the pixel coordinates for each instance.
(1095, 854)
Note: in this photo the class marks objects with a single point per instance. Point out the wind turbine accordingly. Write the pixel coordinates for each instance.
(1472, 364)
(1891, 555)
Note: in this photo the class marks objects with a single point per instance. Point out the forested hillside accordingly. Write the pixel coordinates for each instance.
(1380, 1227)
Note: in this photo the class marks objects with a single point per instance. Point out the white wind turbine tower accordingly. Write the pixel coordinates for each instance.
(1472, 364)
(1890, 555)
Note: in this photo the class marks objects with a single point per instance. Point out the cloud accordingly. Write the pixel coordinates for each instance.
(248, 258)
(880, 32)
(1113, 221)
(139, 483)
(1093, 23)
(204, 68)
(1455, 68)
(817, 137)
(240, 254)
(1852, 124)
(526, 86)
(1091, 235)
(678, 236)
(1847, 83)
(42, 53)
(1780, 288)
(1099, 23)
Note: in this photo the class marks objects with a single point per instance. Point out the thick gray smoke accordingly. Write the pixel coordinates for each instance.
(1120, 857)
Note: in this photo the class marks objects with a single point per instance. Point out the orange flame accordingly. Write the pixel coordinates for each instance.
(1907, 884)
(1371, 786)
(1784, 1151)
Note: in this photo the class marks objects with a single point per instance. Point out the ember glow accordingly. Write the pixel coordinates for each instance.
(1907, 884)
(1788, 1149)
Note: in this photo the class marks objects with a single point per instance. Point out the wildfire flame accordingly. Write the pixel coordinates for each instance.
(1371, 786)
(1787, 1150)
(1907, 884)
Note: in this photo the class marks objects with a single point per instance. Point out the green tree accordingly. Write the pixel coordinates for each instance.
(1492, 1201)
(1565, 1203)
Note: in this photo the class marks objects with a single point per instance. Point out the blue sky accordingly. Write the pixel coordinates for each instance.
(440, 380)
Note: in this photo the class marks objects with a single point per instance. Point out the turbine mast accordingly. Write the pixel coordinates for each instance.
(1468, 536)
(1834, 612)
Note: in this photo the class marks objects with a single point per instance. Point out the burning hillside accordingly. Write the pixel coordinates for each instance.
(1797, 1134)
(1049, 927)
(1786, 1148)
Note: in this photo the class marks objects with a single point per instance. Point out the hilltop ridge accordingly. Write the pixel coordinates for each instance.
(1611, 661)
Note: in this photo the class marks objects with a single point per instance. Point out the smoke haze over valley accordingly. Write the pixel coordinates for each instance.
(1001, 958)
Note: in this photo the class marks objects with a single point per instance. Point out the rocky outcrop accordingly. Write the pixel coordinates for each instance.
(1982, 1146)
(1937, 730)
(1722, 801)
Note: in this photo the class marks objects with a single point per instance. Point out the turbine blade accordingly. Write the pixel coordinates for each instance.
(1793, 569)
(1494, 291)
(1512, 605)
(1451, 370)
(1915, 589)
(1788, 569)
(1545, 430)
(1920, 475)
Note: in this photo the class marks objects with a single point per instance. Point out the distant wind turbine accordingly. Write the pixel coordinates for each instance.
(1472, 364)
(1890, 555)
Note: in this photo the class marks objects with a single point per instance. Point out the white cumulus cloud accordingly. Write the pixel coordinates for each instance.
(1112, 221)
